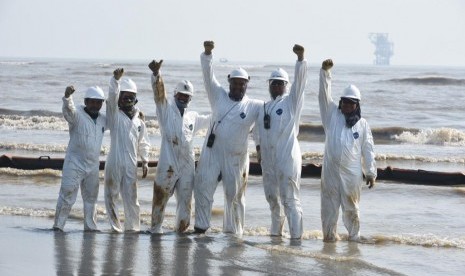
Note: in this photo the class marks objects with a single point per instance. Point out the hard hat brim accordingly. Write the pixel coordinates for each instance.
(278, 78)
(129, 90)
(185, 93)
(352, 99)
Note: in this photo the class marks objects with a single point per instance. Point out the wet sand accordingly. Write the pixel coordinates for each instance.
(30, 248)
(413, 229)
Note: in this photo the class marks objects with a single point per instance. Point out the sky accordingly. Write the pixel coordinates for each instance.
(424, 32)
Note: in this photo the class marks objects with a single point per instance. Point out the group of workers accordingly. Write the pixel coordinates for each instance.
(274, 125)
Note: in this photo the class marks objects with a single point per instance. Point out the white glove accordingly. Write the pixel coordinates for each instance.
(370, 181)
(145, 169)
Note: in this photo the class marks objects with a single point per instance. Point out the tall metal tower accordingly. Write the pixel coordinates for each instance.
(384, 48)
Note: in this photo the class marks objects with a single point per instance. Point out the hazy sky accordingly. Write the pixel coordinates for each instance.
(424, 32)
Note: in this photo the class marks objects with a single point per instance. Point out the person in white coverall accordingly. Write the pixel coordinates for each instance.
(176, 165)
(348, 153)
(128, 141)
(81, 166)
(279, 150)
(225, 153)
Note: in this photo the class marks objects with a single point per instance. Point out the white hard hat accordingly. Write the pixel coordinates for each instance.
(128, 85)
(352, 92)
(239, 74)
(279, 74)
(94, 92)
(184, 87)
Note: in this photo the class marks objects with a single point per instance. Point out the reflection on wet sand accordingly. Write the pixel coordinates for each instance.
(110, 259)
(157, 263)
(202, 255)
(221, 254)
(87, 264)
(63, 257)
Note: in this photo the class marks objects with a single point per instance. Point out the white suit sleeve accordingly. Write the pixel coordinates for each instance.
(144, 145)
(202, 122)
(256, 133)
(69, 110)
(212, 86)
(112, 102)
(368, 154)
(159, 95)
(296, 95)
(324, 96)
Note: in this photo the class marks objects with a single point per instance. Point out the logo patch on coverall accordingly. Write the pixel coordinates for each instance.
(279, 111)
(356, 135)
(242, 115)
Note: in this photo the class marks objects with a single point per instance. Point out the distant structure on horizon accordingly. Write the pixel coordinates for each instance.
(384, 48)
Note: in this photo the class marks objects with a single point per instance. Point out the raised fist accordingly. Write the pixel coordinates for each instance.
(69, 91)
(118, 73)
(327, 64)
(299, 51)
(208, 45)
(155, 66)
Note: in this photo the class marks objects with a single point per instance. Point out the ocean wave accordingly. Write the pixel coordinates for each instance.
(315, 133)
(427, 240)
(35, 147)
(429, 80)
(18, 172)
(424, 159)
(390, 135)
(440, 136)
(45, 120)
(86, 73)
(235, 65)
(39, 112)
(16, 63)
(153, 152)
(39, 122)
(33, 122)
(76, 213)
(27, 212)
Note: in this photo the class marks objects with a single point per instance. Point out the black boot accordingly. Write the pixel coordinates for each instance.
(199, 230)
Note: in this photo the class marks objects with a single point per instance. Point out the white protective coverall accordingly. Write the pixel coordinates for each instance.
(228, 158)
(281, 157)
(342, 175)
(128, 141)
(81, 165)
(176, 165)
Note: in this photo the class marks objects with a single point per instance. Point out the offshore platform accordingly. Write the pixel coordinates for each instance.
(384, 48)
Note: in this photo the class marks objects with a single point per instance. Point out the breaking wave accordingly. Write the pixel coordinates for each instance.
(427, 240)
(46, 120)
(154, 151)
(440, 136)
(18, 172)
